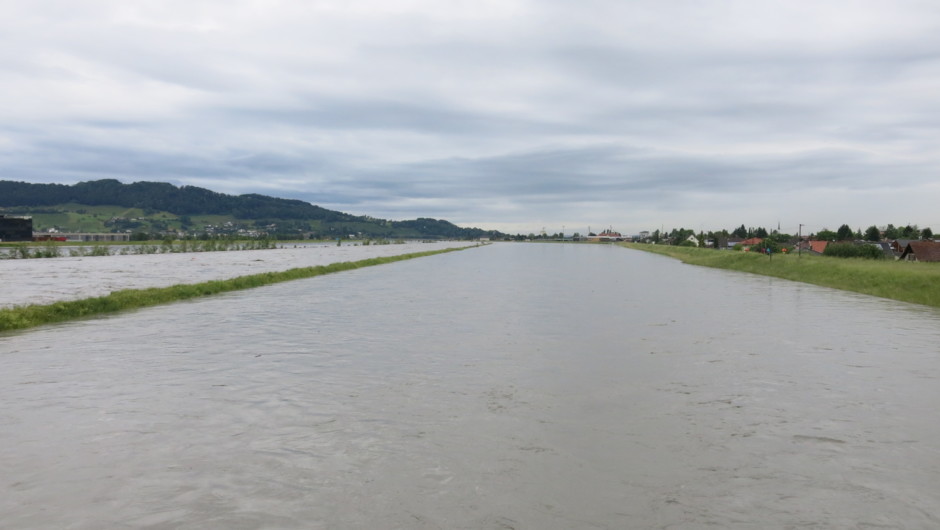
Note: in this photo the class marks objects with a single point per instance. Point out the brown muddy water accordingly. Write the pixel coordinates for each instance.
(538, 386)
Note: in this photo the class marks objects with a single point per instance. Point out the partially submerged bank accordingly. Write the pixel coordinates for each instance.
(22, 317)
(918, 283)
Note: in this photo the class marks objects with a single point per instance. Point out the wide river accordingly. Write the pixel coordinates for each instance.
(511, 386)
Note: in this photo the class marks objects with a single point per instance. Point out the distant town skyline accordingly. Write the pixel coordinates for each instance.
(512, 115)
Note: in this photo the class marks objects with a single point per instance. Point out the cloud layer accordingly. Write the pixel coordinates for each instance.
(514, 115)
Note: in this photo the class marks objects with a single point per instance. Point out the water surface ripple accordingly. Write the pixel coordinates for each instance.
(510, 386)
(44, 281)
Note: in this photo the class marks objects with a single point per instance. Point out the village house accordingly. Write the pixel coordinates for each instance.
(746, 244)
(922, 251)
(605, 236)
(886, 249)
(898, 245)
(812, 246)
(817, 247)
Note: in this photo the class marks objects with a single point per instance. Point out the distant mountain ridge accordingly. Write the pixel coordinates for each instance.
(186, 201)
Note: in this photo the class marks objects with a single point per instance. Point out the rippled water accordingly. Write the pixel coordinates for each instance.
(47, 280)
(509, 386)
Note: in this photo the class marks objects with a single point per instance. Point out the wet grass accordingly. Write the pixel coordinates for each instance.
(914, 282)
(23, 317)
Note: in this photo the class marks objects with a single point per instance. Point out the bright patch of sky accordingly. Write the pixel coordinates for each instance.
(514, 115)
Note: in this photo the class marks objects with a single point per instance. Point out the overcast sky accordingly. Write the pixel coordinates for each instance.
(506, 114)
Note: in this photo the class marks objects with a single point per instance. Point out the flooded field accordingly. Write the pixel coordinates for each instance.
(42, 281)
(541, 386)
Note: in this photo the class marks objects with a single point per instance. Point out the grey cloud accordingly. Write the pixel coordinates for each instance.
(591, 174)
(86, 161)
(610, 107)
(339, 115)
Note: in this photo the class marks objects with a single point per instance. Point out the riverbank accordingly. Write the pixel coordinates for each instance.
(913, 282)
(22, 317)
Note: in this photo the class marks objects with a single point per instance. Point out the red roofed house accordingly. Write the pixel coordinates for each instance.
(818, 246)
(748, 243)
(607, 235)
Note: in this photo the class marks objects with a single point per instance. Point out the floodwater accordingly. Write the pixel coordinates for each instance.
(47, 280)
(511, 386)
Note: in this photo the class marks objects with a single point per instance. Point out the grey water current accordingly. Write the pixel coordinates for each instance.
(511, 386)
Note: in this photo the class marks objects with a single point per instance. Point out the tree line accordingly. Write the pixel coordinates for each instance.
(184, 200)
(680, 236)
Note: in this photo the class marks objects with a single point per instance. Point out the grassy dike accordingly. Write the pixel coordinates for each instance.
(36, 315)
(918, 283)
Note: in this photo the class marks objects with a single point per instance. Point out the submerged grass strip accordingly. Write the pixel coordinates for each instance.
(914, 282)
(36, 315)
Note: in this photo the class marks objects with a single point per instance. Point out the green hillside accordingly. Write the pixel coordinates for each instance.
(156, 209)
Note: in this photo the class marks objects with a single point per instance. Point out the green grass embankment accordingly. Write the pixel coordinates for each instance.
(918, 283)
(23, 317)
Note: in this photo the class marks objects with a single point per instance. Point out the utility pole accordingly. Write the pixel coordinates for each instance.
(799, 247)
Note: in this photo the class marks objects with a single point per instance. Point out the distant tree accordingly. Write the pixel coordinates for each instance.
(892, 232)
(826, 235)
(872, 233)
(720, 239)
(761, 232)
(764, 245)
(926, 233)
(850, 250)
(711, 239)
(844, 233)
(910, 232)
(858, 233)
(680, 235)
(740, 232)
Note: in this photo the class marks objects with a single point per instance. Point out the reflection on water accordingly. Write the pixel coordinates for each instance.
(510, 386)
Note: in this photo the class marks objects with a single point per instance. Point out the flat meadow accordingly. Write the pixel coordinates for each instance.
(906, 281)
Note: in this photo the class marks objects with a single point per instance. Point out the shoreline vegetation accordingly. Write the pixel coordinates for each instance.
(913, 282)
(23, 317)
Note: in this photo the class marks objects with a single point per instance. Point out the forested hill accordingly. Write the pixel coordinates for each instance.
(185, 200)
(191, 201)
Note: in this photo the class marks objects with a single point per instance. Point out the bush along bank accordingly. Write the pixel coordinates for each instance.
(851, 250)
(23, 317)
